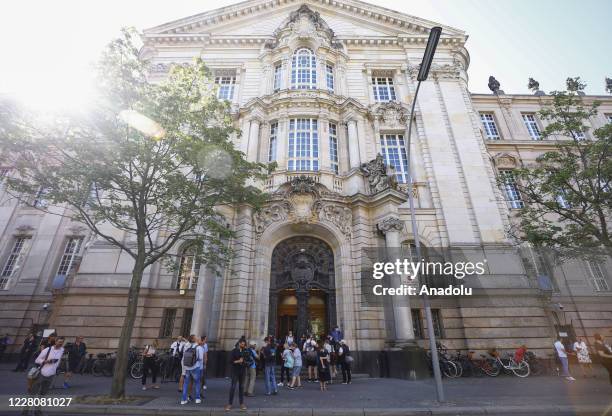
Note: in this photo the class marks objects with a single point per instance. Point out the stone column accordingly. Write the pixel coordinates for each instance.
(353, 144)
(302, 311)
(199, 318)
(253, 140)
(282, 138)
(402, 317)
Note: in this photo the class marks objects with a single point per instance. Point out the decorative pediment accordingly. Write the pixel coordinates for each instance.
(303, 24)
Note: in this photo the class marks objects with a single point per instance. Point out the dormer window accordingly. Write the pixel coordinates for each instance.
(304, 70)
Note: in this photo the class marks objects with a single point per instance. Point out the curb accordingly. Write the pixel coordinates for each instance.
(545, 410)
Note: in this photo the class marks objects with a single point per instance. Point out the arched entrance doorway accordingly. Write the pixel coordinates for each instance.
(302, 290)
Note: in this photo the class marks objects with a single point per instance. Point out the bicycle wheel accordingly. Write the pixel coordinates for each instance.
(521, 370)
(491, 368)
(449, 369)
(136, 370)
(459, 368)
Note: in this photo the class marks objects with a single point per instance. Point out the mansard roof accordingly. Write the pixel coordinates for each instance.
(259, 19)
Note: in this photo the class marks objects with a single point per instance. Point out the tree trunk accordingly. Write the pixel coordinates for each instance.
(121, 362)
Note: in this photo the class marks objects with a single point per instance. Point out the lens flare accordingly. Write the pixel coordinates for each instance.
(217, 162)
(142, 123)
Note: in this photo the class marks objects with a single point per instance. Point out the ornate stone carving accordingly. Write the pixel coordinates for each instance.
(24, 229)
(504, 160)
(392, 114)
(303, 23)
(390, 224)
(277, 211)
(337, 214)
(452, 71)
(378, 175)
(303, 184)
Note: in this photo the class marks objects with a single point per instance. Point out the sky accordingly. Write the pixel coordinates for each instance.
(48, 47)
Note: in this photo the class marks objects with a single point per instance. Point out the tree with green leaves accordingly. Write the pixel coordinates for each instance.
(145, 168)
(567, 192)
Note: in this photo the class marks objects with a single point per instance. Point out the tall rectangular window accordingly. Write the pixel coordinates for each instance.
(186, 324)
(20, 248)
(278, 77)
(394, 153)
(329, 77)
(436, 317)
(490, 128)
(597, 276)
(226, 86)
(333, 147)
(167, 323)
(71, 249)
(383, 89)
(532, 126)
(513, 196)
(273, 142)
(303, 144)
(417, 323)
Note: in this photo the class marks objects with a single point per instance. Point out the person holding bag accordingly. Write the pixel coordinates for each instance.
(47, 362)
(149, 363)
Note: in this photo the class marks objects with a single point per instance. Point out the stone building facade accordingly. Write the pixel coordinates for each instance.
(323, 88)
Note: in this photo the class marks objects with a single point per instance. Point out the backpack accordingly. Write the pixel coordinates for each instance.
(190, 356)
(289, 360)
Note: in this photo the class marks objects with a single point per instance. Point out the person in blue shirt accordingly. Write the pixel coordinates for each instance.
(251, 371)
(336, 334)
(269, 358)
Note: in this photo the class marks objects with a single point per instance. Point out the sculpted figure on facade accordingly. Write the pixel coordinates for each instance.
(494, 85)
(339, 215)
(378, 176)
(390, 224)
(277, 211)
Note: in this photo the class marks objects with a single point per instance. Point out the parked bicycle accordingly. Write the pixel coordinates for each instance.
(103, 365)
(509, 365)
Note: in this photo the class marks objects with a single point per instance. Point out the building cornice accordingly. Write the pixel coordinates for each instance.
(377, 14)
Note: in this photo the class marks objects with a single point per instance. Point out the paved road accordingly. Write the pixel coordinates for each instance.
(372, 394)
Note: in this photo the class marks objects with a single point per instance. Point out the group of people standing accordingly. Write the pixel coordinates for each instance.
(602, 354)
(321, 357)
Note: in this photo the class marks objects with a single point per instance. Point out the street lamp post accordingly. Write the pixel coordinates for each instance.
(432, 43)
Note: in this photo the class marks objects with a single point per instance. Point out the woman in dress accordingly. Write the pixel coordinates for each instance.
(584, 358)
(323, 364)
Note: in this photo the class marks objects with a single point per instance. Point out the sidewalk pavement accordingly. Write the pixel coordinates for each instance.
(504, 395)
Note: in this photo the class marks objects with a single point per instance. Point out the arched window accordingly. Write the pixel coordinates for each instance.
(189, 267)
(304, 70)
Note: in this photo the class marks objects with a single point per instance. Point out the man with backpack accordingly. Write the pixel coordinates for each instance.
(251, 369)
(193, 357)
(269, 358)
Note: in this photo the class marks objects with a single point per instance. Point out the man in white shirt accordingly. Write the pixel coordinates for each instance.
(176, 350)
(49, 359)
(562, 354)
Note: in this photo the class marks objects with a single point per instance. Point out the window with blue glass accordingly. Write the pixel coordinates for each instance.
(304, 70)
(333, 146)
(273, 142)
(303, 143)
(329, 77)
(394, 153)
(383, 89)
